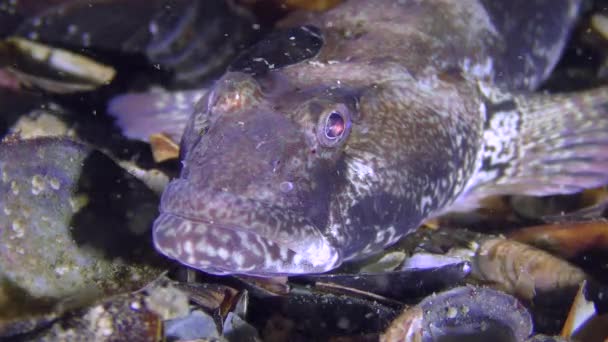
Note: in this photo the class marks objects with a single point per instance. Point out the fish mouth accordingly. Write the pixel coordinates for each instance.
(221, 233)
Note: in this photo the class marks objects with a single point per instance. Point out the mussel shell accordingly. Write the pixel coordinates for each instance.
(406, 286)
(464, 312)
(318, 316)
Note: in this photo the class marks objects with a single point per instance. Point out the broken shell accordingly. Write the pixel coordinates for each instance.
(584, 323)
(163, 147)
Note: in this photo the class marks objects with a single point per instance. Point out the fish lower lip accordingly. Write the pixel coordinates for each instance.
(222, 249)
(216, 232)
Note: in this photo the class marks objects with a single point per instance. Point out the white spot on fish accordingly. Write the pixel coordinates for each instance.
(322, 254)
(238, 258)
(425, 202)
(185, 227)
(223, 253)
(481, 70)
(188, 248)
(15, 188)
(224, 238)
(191, 259)
(493, 94)
(283, 253)
(360, 168)
(19, 228)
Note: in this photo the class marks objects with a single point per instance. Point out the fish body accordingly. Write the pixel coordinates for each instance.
(406, 110)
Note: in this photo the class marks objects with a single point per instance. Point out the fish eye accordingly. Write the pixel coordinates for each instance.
(333, 126)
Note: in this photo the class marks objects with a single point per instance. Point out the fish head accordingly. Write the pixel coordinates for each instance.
(260, 163)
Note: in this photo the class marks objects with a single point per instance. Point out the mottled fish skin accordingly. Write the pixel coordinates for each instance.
(396, 120)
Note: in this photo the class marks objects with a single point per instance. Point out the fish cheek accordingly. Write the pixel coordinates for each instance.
(376, 221)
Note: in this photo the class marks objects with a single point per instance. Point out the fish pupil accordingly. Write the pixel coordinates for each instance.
(334, 126)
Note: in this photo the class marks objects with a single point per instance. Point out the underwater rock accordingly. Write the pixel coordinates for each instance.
(73, 224)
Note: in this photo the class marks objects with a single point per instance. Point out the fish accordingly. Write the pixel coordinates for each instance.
(342, 131)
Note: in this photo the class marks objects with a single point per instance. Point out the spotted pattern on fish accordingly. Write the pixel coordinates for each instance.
(501, 128)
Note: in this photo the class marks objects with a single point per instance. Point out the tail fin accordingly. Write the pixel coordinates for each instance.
(140, 115)
(542, 145)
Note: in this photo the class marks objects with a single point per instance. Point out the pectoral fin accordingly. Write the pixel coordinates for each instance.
(541, 145)
(141, 115)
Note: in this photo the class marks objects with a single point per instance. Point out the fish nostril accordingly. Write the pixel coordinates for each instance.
(275, 165)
